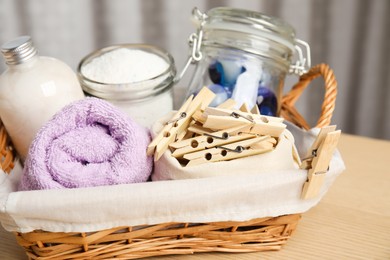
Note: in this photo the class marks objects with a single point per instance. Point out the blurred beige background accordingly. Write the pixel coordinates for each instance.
(352, 36)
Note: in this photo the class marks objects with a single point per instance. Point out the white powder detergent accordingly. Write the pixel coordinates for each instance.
(124, 66)
(129, 74)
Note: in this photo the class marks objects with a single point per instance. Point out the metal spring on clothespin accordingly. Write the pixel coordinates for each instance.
(313, 154)
(237, 115)
(224, 136)
(238, 149)
(182, 115)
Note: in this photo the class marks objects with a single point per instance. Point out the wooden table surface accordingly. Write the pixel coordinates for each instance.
(351, 222)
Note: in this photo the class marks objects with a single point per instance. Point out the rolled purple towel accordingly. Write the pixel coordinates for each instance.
(88, 143)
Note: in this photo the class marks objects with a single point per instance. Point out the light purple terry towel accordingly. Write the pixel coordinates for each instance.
(88, 143)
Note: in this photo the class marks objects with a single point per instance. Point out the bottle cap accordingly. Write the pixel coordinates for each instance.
(18, 50)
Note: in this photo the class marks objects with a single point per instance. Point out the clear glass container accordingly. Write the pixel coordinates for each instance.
(32, 89)
(244, 55)
(146, 100)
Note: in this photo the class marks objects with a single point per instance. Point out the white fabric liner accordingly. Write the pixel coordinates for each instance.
(280, 158)
(237, 197)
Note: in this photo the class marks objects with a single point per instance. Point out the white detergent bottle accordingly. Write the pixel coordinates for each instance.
(32, 89)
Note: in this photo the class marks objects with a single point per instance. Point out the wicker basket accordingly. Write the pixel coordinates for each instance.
(260, 234)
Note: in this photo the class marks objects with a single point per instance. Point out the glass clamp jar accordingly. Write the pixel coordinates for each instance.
(144, 100)
(244, 55)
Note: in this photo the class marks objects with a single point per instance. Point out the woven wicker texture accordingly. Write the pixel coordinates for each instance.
(261, 234)
(290, 113)
(6, 151)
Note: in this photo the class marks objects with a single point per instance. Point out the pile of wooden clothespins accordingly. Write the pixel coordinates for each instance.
(198, 134)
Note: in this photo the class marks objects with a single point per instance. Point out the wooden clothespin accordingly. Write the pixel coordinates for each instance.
(216, 111)
(199, 129)
(322, 152)
(219, 119)
(255, 110)
(200, 117)
(228, 104)
(306, 162)
(175, 127)
(231, 151)
(265, 125)
(244, 108)
(209, 140)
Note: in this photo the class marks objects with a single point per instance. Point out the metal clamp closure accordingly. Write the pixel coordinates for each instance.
(302, 65)
(195, 42)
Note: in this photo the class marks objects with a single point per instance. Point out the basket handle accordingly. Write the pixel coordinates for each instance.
(6, 154)
(290, 113)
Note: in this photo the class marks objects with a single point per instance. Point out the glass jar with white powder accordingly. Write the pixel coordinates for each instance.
(137, 78)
